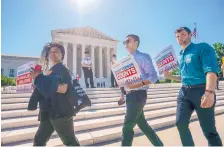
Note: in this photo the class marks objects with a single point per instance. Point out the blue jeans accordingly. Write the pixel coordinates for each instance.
(189, 99)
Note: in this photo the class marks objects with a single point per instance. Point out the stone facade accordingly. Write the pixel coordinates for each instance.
(78, 40)
(10, 63)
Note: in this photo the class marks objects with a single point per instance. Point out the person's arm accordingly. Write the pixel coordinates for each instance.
(83, 64)
(210, 68)
(211, 79)
(122, 100)
(149, 69)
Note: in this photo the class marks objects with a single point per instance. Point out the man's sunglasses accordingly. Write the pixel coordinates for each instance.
(126, 41)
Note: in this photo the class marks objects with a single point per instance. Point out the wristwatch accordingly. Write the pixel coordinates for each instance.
(210, 91)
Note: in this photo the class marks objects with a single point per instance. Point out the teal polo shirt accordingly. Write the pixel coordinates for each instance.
(196, 60)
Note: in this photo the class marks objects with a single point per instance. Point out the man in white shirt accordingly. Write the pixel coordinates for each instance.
(87, 69)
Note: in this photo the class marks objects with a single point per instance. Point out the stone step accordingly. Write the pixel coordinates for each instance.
(92, 137)
(26, 99)
(88, 124)
(8, 98)
(97, 100)
(25, 113)
(5, 107)
(152, 86)
(5, 123)
(95, 106)
(9, 124)
(90, 93)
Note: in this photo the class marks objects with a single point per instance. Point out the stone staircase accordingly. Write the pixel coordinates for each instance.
(100, 123)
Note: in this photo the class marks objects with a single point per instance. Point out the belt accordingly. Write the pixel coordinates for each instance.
(194, 86)
(128, 92)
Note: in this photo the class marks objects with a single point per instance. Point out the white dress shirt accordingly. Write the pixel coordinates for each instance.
(87, 61)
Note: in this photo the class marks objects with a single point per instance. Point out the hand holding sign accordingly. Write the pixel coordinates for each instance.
(167, 74)
(36, 71)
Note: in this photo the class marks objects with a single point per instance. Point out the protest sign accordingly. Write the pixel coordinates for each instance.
(166, 60)
(23, 79)
(126, 71)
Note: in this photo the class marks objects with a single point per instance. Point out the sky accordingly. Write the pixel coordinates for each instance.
(26, 24)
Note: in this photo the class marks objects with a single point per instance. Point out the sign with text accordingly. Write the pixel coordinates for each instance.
(23, 79)
(166, 60)
(126, 71)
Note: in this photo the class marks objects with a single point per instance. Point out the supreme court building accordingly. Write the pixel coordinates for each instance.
(78, 40)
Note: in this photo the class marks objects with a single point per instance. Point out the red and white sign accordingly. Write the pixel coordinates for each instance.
(166, 60)
(23, 79)
(126, 71)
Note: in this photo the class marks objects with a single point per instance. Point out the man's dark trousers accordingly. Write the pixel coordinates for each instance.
(64, 128)
(189, 99)
(135, 102)
(113, 80)
(88, 74)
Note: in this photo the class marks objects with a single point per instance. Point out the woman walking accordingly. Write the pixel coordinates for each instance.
(56, 109)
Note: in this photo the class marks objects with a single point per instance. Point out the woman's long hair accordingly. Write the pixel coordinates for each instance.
(44, 60)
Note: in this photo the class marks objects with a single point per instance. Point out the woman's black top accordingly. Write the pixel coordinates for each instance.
(59, 104)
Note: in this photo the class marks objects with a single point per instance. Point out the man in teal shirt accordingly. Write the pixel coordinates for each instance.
(198, 74)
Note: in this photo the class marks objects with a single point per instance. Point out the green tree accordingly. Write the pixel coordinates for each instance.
(219, 50)
(5, 81)
(175, 71)
(12, 81)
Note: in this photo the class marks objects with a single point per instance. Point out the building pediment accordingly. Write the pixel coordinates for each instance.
(85, 32)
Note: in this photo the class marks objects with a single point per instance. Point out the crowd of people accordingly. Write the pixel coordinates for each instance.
(198, 74)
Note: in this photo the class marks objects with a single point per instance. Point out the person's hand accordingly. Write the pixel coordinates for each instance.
(122, 100)
(167, 74)
(34, 73)
(207, 100)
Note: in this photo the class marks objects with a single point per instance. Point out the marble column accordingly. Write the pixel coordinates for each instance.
(74, 58)
(65, 61)
(83, 56)
(101, 62)
(108, 63)
(93, 60)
